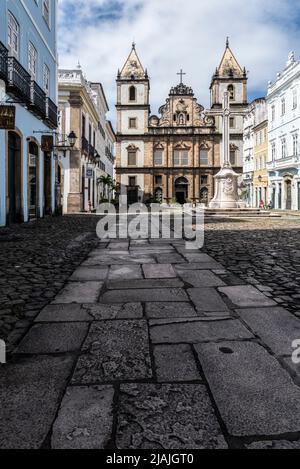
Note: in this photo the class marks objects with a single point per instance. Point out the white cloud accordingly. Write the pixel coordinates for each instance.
(171, 34)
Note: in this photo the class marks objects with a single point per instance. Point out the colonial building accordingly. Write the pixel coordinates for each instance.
(82, 168)
(255, 175)
(175, 156)
(28, 88)
(284, 127)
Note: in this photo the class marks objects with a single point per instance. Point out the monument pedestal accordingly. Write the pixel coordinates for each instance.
(226, 190)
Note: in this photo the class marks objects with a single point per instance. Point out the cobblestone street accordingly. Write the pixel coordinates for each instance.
(146, 345)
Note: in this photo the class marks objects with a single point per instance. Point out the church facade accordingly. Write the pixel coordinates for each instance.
(174, 157)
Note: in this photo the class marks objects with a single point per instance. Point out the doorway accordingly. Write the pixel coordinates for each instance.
(181, 190)
(288, 187)
(33, 180)
(15, 214)
(47, 183)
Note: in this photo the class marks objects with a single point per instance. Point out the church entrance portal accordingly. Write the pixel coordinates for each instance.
(181, 190)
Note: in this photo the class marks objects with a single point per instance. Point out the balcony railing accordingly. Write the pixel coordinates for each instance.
(91, 151)
(19, 81)
(38, 99)
(51, 113)
(3, 62)
(85, 146)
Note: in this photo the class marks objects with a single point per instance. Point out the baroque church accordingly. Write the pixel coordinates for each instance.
(175, 156)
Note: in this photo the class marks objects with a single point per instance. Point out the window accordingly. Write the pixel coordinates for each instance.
(32, 60)
(132, 123)
(131, 157)
(13, 36)
(283, 148)
(204, 156)
(204, 180)
(232, 122)
(273, 113)
(158, 180)
(260, 137)
(46, 80)
(83, 126)
(132, 181)
(158, 157)
(46, 11)
(273, 150)
(295, 98)
(231, 92)
(132, 93)
(232, 157)
(295, 144)
(283, 106)
(181, 158)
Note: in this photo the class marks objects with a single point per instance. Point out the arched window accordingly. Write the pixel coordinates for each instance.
(231, 92)
(132, 93)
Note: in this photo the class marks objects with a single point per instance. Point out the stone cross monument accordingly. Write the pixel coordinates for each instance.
(226, 190)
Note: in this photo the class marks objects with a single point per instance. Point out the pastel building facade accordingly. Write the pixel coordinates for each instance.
(28, 82)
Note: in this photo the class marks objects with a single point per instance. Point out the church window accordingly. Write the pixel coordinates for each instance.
(232, 122)
(181, 158)
(232, 157)
(132, 157)
(132, 93)
(132, 181)
(204, 156)
(158, 180)
(174, 118)
(204, 180)
(158, 157)
(132, 123)
(231, 92)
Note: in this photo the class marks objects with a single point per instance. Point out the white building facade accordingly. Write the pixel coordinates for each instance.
(83, 109)
(248, 160)
(283, 165)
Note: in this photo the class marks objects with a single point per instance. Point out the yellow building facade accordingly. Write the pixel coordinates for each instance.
(260, 156)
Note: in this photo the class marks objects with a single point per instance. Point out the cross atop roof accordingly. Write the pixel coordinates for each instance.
(181, 74)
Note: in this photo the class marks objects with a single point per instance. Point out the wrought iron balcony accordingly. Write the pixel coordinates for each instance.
(51, 113)
(85, 146)
(19, 82)
(92, 151)
(3, 62)
(38, 100)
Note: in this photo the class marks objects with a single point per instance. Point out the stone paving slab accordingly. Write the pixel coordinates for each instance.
(254, 394)
(144, 283)
(83, 274)
(79, 292)
(115, 311)
(276, 444)
(199, 258)
(246, 295)
(198, 266)
(175, 363)
(29, 394)
(153, 271)
(170, 310)
(118, 260)
(53, 338)
(202, 331)
(114, 351)
(85, 418)
(120, 272)
(207, 300)
(177, 416)
(169, 259)
(144, 295)
(64, 313)
(275, 326)
(201, 278)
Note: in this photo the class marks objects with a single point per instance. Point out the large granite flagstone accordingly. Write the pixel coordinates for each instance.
(144, 283)
(202, 331)
(167, 416)
(79, 292)
(29, 396)
(115, 311)
(64, 313)
(169, 258)
(83, 274)
(85, 418)
(246, 295)
(53, 338)
(275, 326)
(201, 278)
(170, 310)
(114, 351)
(175, 363)
(198, 266)
(254, 394)
(120, 272)
(159, 271)
(207, 300)
(144, 295)
(117, 260)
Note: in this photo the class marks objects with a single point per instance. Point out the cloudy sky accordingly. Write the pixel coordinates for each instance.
(174, 34)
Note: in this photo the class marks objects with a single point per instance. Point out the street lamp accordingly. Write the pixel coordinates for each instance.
(72, 137)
